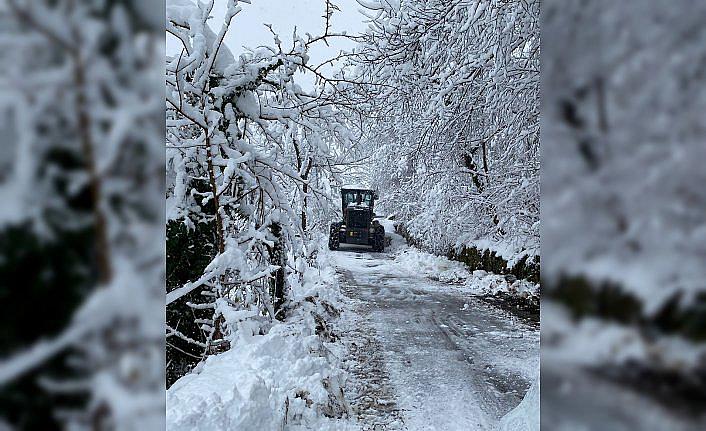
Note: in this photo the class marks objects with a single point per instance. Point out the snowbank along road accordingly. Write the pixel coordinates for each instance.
(426, 355)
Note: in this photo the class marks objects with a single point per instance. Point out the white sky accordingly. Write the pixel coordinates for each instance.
(247, 28)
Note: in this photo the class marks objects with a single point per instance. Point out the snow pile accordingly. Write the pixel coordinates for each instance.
(397, 242)
(435, 267)
(286, 378)
(524, 417)
(264, 383)
(411, 261)
(490, 284)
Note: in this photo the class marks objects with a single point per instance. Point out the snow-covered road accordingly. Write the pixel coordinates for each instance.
(426, 355)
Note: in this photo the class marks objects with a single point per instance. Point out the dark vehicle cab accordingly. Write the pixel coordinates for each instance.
(357, 214)
(358, 225)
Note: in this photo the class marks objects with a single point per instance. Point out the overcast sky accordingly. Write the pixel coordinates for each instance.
(247, 28)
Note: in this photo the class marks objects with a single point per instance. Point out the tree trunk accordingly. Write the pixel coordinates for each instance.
(278, 257)
(84, 129)
(216, 204)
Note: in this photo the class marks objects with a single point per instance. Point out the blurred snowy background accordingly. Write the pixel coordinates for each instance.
(81, 213)
(81, 218)
(623, 215)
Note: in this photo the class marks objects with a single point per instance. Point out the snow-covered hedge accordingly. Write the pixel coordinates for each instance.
(523, 266)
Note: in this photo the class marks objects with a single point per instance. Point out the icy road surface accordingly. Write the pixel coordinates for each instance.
(426, 355)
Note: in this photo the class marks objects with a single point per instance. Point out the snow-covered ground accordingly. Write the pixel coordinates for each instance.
(392, 340)
(576, 399)
(581, 360)
(286, 379)
(434, 357)
(272, 382)
(411, 261)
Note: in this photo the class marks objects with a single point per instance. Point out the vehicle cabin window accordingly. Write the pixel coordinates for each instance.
(351, 198)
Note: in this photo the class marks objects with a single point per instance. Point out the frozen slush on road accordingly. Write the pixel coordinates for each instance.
(439, 355)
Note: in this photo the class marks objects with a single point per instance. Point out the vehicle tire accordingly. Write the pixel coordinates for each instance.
(333, 238)
(379, 239)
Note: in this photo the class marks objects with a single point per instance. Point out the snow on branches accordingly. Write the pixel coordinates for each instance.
(248, 155)
(455, 130)
(623, 132)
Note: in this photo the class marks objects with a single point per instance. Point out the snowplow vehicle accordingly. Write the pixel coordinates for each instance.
(359, 225)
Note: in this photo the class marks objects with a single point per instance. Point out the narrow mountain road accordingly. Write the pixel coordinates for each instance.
(425, 355)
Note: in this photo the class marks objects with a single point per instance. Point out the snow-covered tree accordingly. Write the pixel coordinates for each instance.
(454, 125)
(250, 157)
(624, 154)
(623, 201)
